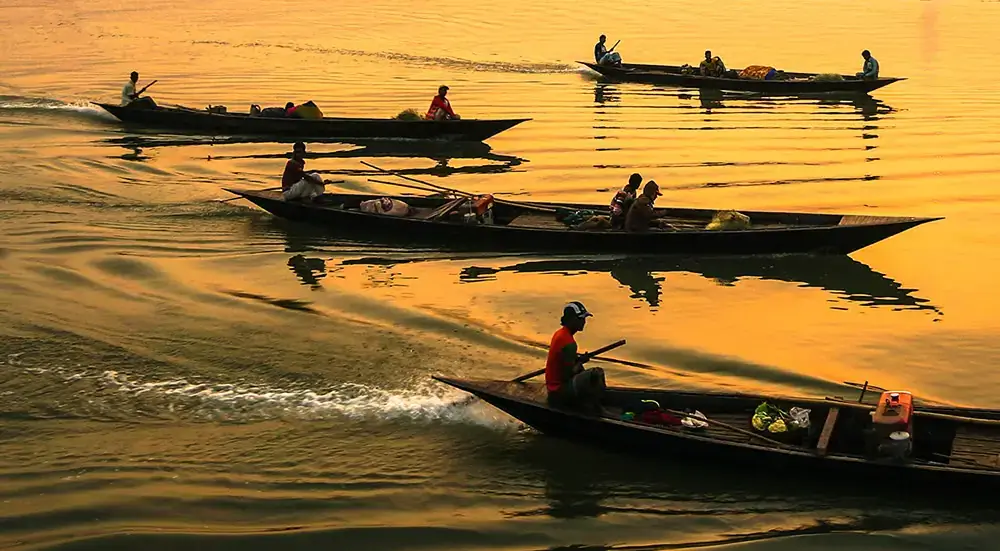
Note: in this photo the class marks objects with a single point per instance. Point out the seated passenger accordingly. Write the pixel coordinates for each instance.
(440, 108)
(623, 200)
(712, 66)
(642, 214)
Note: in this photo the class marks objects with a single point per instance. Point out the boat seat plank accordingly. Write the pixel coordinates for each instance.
(824, 437)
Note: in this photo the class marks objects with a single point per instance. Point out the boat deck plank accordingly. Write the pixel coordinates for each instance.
(976, 445)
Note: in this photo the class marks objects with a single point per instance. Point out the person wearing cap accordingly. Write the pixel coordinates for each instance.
(440, 109)
(869, 71)
(642, 214)
(623, 200)
(567, 382)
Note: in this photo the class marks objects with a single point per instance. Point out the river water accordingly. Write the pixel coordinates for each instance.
(178, 371)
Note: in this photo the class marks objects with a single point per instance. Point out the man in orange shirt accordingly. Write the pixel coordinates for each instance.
(568, 383)
(441, 108)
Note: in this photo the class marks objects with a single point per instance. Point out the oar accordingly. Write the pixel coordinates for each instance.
(584, 358)
(411, 186)
(139, 93)
(459, 192)
(325, 182)
(615, 46)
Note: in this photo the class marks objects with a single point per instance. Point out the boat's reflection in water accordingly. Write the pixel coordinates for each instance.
(442, 153)
(658, 496)
(643, 276)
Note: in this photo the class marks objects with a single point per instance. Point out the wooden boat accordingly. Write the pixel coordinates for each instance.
(184, 119)
(797, 83)
(947, 446)
(537, 227)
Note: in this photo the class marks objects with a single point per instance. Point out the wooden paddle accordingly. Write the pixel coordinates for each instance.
(325, 182)
(584, 358)
(144, 88)
(615, 46)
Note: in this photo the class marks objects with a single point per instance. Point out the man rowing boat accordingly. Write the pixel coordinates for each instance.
(130, 98)
(604, 56)
(567, 382)
(295, 182)
(642, 215)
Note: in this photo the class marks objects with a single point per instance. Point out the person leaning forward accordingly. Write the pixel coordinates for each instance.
(567, 382)
(641, 215)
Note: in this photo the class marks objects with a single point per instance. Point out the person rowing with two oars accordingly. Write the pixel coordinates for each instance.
(132, 99)
(567, 382)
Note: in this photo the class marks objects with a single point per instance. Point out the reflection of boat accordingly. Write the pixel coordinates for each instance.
(798, 83)
(526, 226)
(440, 152)
(181, 118)
(930, 448)
(841, 275)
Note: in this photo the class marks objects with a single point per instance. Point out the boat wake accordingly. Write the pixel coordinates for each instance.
(131, 395)
(410, 59)
(48, 105)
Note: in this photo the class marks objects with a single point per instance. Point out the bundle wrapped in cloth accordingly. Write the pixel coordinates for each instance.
(307, 110)
(729, 220)
(827, 77)
(758, 72)
(385, 205)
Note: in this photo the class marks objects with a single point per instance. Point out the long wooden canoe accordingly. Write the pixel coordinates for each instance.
(193, 120)
(797, 83)
(536, 227)
(951, 450)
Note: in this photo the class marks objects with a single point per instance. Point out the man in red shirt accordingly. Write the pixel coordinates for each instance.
(295, 168)
(567, 382)
(440, 107)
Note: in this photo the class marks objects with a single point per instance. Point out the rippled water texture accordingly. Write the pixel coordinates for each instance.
(180, 372)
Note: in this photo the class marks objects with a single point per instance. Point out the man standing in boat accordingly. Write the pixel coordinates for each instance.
(567, 382)
(440, 109)
(869, 71)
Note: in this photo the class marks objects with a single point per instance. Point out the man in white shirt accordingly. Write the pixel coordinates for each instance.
(128, 92)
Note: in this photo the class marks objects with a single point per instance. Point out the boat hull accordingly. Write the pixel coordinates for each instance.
(668, 75)
(353, 224)
(190, 120)
(755, 460)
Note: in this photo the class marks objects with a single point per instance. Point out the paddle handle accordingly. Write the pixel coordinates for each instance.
(615, 46)
(144, 88)
(583, 359)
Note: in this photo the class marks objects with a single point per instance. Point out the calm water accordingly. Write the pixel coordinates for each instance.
(181, 372)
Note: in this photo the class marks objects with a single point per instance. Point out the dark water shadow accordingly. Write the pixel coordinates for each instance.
(442, 153)
(842, 276)
(581, 482)
(315, 253)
